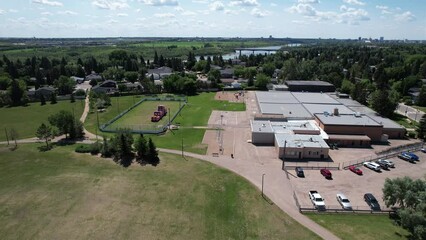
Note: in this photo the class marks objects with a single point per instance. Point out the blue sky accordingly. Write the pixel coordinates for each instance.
(392, 19)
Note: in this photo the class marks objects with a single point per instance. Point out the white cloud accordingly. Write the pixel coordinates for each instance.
(384, 9)
(1, 11)
(217, 6)
(303, 9)
(13, 11)
(405, 17)
(160, 2)
(112, 21)
(67, 12)
(138, 10)
(308, 1)
(348, 15)
(49, 3)
(354, 2)
(122, 15)
(273, 4)
(46, 13)
(200, 1)
(259, 13)
(188, 13)
(245, 3)
(164, 15)
(110, 4)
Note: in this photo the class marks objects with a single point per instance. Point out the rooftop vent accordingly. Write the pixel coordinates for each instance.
(358, 114)
(336, 112)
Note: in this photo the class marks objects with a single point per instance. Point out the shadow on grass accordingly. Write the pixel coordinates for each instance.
(45, 148)
(267, 199)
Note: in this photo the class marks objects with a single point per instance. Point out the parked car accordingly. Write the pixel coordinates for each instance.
(317, 200)
(372, 202)
(406, 157)
(383, 165)
(299, 172)
(355, 169)
(372, 166)
(326, 173)
(423, 150)
(344, 201)
(388, 163)
(413, 156)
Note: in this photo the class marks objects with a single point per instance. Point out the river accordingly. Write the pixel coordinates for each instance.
(236, 54)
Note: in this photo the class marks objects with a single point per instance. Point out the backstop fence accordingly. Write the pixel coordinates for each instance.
(144, 128)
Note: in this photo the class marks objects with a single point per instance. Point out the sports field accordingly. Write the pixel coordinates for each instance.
(139, 118)
(60, 194)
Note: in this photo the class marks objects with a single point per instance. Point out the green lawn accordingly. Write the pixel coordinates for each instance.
(404, 121)
(26, 120)
(196, 113)
(60, 194)
(423, 109)
(362, 226)
(140, 117)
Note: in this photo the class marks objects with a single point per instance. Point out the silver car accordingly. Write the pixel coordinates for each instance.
(344, 201)
(389, 163)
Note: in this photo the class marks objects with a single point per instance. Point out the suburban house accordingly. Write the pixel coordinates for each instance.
(159, 73)
(45, 91)
(93, 76)
(77, 79)
(227, 73)
(107, 86)
(137, 86)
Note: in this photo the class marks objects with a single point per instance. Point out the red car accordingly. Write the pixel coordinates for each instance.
(326, 173)
(355, 169)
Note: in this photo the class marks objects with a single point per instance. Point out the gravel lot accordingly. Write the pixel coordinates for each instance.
(352, 185)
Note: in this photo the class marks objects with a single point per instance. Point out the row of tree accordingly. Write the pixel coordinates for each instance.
(410, 196)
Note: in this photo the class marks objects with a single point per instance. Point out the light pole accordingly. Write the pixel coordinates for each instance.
(263, 176)
(97, 120)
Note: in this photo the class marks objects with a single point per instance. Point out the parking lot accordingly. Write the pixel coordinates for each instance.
(352, 185)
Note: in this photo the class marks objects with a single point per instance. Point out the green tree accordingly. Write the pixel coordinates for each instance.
(421, 128)
(42, 100)
(106, 148)
(53, 98)
(131, 76)
(346, 87)
(72, 98)
(262, 81)
(384, 102)
(152, 156)
(65, 85)
(141, 146)
(421, 100)
(16, 91)
(122, 147)
(410, 196)
(44, 132)
(66, 124)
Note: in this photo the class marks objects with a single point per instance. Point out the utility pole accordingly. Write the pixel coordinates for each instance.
(169, 118)
(263, 176)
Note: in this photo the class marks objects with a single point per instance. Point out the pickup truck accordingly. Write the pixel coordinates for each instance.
(317, 200)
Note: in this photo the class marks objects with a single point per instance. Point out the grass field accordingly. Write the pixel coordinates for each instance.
(26, 120)
(360, 227)
(60, 194)
(196, 113)
(404, 121)
(139, 118)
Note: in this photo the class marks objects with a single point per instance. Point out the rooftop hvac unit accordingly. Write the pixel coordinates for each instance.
(357, 114)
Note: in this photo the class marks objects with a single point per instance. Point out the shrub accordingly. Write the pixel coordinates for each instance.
(411, 134)
(95, 148)
(83, 148)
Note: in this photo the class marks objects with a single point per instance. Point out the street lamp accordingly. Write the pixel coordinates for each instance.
(263, 176)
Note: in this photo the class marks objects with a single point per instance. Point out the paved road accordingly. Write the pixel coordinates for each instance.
(410, 112)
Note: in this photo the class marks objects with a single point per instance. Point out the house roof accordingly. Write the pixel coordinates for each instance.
(160, 70)
(300, 141)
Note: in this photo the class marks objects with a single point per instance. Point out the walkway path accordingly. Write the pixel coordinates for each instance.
(410, 112)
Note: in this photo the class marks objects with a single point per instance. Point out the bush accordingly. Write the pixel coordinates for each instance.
(411, 134)
(80, 92)
(83, 148)
(93, 148)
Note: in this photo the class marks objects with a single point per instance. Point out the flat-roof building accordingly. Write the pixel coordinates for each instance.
(309, 86)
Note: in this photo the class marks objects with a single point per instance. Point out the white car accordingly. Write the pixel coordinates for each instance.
(344, 201)
(387, 162)
(372, 165)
